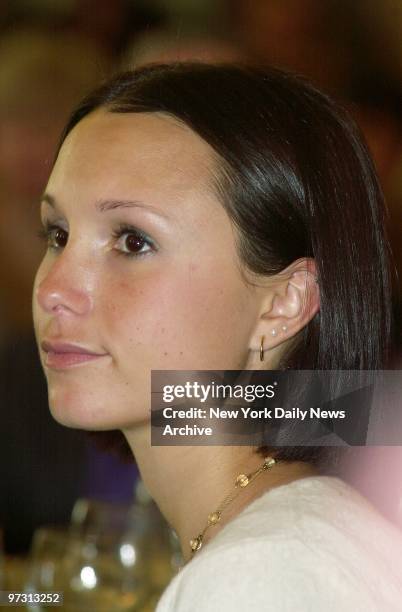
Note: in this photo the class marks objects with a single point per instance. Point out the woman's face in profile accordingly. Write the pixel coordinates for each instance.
(140, 270)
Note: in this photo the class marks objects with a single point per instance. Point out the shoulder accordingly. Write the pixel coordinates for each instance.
(278, 576)
(261, 576)
(290, 554)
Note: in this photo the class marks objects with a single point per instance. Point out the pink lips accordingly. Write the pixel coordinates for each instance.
(60, 355)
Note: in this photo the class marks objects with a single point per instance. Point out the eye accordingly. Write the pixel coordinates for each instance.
(54, 236)
(132, 242)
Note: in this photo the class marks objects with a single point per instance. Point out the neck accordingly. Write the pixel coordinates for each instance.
(190, 482)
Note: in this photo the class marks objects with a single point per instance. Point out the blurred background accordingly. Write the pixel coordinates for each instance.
(51, 54)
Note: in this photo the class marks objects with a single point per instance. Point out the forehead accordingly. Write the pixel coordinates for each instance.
(144, 151)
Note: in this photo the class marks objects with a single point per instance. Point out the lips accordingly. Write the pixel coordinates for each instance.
(61, 355)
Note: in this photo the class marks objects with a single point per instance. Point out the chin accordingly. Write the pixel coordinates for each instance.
(87, 410)
(76, 417)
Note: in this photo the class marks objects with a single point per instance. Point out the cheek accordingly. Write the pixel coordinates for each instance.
(178, 321)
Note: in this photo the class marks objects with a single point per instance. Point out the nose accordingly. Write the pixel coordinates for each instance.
(65, 289)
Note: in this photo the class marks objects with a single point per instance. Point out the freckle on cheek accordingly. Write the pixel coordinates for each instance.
(165, 353)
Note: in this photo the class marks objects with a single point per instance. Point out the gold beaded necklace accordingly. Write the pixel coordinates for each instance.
(242, 481)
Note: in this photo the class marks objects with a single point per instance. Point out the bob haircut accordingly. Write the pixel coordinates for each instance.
(296, 179)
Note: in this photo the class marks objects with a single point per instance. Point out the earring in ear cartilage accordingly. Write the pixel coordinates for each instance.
(273, 332)
(284, 328)
(262, 348)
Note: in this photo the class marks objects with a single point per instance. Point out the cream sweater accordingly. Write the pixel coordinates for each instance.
(312, 545)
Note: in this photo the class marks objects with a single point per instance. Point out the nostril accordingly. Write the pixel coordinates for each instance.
(57, 308)
(48, 300)
(63, 299)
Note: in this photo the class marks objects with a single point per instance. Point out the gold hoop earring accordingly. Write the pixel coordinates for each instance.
(262, 348)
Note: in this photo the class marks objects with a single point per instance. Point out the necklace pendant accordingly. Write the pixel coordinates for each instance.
(214, 518)
(241, 480)
(269, 462)
(196, 543)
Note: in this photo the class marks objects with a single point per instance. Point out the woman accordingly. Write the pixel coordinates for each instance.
(221, 218)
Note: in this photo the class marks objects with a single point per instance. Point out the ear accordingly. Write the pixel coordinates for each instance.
(288, 305)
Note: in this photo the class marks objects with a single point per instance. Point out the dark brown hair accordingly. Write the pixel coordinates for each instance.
(297, 181)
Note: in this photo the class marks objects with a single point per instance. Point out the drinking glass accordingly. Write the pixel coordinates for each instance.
(146, 545)
(49, 546)
(95, 571)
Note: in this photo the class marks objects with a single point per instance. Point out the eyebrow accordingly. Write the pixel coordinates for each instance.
(106, 205)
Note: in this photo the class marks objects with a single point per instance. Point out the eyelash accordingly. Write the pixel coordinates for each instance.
(124, 229)
(46, 232)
